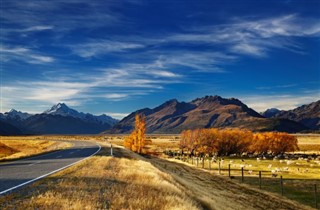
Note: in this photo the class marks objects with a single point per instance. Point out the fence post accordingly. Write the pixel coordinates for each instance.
(281, 183)
(260, 180)
(191, 160)
(209, 164)
(219, 168)
(229, 170)
(242, 175)
(197, 162)
(111, 152)
(315, 195)
(203, 162)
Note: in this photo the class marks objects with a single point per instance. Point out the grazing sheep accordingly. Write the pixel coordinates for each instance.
(269, 166)
(290, 162)
(258, 159)
(274, 175)
(250, 172)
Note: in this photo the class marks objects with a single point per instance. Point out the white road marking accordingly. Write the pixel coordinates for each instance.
(34, 163)
(52, 172)
(59, 156)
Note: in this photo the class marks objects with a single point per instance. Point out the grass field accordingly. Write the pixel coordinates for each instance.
(299, 176)
(103, 182)
(129, 181)
(309, 143)
(18, 147)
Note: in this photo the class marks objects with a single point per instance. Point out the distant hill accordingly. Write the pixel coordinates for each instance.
(59, 119)
(270, 112)
(308, 115)
(57, 124)
(206, 112)
(6, 129)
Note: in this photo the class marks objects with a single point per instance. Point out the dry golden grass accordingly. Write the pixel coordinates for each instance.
(309, 143)
(104, 182)
(302, 173)
(129, 181)
(218, 192)
(19, 147)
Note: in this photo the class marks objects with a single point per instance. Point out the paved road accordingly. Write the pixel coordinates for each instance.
(18, 173)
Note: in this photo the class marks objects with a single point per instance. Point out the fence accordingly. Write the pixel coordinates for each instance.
(305, 192)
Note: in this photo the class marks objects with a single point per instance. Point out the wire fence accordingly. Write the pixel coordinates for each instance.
(305, 191)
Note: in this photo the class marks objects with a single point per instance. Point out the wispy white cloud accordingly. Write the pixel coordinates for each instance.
(161, 73)
(249, 49)
(100, 47)
(34, 15)
(116, 96)
(276, 87)
(37, 28)
(200, 61)
(24, 54)
(261, 103)
(253, 37)
(116, 115)
(104, 84)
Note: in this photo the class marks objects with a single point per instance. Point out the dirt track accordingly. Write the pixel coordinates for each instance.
(215, 192)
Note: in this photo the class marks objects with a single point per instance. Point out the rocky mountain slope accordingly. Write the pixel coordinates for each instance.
(206, 112)
(308, 115)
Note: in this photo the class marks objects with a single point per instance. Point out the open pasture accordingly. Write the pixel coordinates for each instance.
(309, 143)
(300, 170)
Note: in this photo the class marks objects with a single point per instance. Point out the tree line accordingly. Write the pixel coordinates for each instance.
(225, 142)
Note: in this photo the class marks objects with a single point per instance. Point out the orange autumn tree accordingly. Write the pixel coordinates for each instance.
(236, 141)
(274, 142)
(137, 140)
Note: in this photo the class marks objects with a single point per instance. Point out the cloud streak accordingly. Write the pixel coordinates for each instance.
(283, 102)
(122, 83)
(253, 37)
(102, 47)
(24, 54)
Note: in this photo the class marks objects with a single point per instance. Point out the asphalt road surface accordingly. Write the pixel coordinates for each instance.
(18, 173)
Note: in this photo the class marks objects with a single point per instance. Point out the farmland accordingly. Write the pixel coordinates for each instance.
(121, 181)
(299, 175)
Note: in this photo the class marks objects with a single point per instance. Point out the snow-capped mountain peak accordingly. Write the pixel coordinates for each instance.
(14, 114)
(63, 110)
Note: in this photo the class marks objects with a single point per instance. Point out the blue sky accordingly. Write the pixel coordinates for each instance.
(118, 56)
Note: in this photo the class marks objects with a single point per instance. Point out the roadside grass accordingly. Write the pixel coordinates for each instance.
(104, 182)
(15, 149)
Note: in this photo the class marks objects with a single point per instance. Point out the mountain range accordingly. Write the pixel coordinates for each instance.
(214, 111)
(59, 119)
(170, 117)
